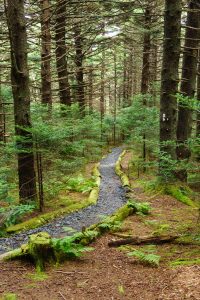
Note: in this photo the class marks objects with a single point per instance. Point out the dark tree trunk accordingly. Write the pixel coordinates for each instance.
(146, 68)
(125, 78)
(61, 53)
(21, 95)
(90, 92)
(79, 66)
(130, 79)
(146, 54)
(169, 86)
(1, 117)
(102, 92)
(198, 112)
(115, 97)
(46, 53)
(188, 83)
(154, 72)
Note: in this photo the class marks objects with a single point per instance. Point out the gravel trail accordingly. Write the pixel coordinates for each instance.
(111, 197)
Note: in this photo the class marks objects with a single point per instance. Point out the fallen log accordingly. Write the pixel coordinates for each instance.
(143, 240)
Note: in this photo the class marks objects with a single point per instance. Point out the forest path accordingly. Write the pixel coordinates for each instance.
(108, 273)
(111, 197)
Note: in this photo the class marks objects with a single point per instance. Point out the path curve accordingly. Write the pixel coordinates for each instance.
(111, 197)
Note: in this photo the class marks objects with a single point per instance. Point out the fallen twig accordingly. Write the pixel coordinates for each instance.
(62, 295)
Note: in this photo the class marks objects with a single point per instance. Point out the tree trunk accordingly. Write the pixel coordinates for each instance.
(169, 87)
(1, 115)
(61, 60)
(21, 94)
(90, 92)
(115, 96)
(46, 53)
(102, 92)
(188, 83)
(79, 66)
(198, 112)
(158, 240)
(146, 69)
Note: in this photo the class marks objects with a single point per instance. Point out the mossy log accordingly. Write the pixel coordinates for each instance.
(45, 218)
(179, 193)
(143, 240)
(40, 246)
(39, 249)
(118, 169)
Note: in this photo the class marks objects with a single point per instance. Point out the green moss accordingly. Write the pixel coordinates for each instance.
(38, 276)
(184, 262)
(16, 253)
(40, 249)
(189, 239)
(9, 296)
(118, 169)
(43, 219)
(179, 193)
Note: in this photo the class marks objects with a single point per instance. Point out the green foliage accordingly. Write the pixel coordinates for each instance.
(138, 119)
(9, 296)
(38, 276)
(141, 208)
(146, 257)
(12, 215)
(185, 262)
(80, 184)
(70, 245)
(180, 193)
(6, 93)
(109, 225)
(188, 102)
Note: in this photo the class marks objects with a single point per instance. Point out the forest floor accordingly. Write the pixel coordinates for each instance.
(108, 273)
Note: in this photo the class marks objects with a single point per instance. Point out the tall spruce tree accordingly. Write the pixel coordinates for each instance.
(188, 83)
(61, 52)
(46, 53)
(21, 94)
(169, 86)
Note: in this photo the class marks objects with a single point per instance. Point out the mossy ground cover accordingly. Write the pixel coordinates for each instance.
(173, 213)
(107, 272)
(67, 201)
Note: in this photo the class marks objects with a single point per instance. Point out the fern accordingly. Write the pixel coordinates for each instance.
(140, 208)
(110, 226)
(70, 247)
(10, 216)
(80, 184)
(148, 258)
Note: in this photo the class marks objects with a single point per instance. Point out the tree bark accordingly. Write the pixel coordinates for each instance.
(188, 83)
(46, 53)
(143, 240)
(198, 112)
(61, 53)
(21, 94)
(146, 69)
(79, 66)
(169, 87)
(1, 116)
(90, 92)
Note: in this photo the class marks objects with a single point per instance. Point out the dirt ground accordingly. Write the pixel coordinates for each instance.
(108, 273)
